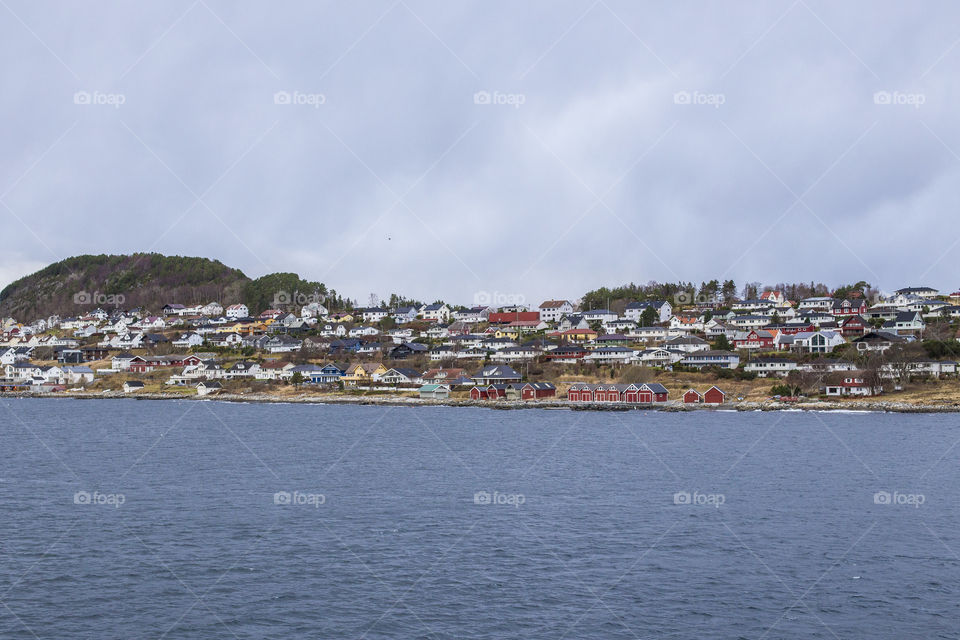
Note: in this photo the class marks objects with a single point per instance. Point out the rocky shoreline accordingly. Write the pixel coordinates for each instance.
(672, 406)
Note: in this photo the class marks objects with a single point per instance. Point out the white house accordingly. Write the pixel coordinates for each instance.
(648, 334)
(610, 355)
(438, 312)
(553, 310)
(635, 309)
(659, 357)
(687, 344)
(78, 375)
(236, 311)
(820, 303)
(313, 310)
(472, 315)
(212, 309)
(188, 340)
(403, 315)
(905, 323)
(815, 341)
(712, 358)
(599, 315)
(765, 367)
(375, 314)
(227, 340)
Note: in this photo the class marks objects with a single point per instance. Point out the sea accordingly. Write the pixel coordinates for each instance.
(124, 518)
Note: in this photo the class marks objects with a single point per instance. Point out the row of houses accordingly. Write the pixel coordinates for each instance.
(645, 393)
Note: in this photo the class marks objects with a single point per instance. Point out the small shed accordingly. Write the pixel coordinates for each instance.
(434, 392)
(714, 395)
(208, 388)
(131, 386)
(692, 396)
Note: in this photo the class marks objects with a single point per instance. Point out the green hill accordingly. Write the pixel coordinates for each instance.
(150, 280)
(82, 283)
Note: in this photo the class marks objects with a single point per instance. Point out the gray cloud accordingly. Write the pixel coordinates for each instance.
(654, 141)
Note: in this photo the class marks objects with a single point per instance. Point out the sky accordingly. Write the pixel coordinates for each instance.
(487, 151)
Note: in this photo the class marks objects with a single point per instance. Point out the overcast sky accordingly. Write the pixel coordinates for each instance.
(442, 149)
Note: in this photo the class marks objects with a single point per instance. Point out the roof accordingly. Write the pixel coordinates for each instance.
(553, 304)
(406, 371)
(656, 387)
(497, 371)
(447, 373)
(686, 340)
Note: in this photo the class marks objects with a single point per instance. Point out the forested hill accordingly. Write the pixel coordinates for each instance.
(149, 280)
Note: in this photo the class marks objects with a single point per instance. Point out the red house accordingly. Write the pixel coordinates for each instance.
(630, 393)
(606, 393)
(478, 393)
(144, 364)
(854, 326)
(535, 390)
(756, 339)
(580, 392)
(692, 396)
(714, 396)
(658, 391)
(849, 307)
(496, 391)
(792, 329)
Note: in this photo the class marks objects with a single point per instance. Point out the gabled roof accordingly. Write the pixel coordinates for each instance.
(656, 304)
(497, 371)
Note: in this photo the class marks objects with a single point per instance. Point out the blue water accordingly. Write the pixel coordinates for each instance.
(581, 535)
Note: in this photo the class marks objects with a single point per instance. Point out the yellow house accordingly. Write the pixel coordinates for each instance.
(364, 372)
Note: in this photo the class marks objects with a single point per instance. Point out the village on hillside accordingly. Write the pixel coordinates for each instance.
(688, 350)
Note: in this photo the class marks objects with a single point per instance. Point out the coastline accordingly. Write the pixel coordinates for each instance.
(670, 407)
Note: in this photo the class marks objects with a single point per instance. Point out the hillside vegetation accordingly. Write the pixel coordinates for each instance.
(150, 280)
